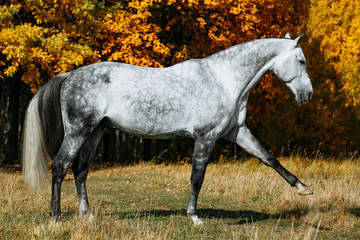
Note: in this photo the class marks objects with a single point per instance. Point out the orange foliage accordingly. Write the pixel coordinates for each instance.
(210, 26)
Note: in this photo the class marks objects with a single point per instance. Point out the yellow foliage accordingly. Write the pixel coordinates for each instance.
(336, 25)
(129, 37)
(36, 49)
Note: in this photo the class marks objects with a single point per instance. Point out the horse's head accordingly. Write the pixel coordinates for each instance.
(290, 68)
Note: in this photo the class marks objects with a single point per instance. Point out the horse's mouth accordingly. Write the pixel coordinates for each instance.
(303, 98)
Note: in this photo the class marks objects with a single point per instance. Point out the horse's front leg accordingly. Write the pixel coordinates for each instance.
(202, 151)
(244, 138)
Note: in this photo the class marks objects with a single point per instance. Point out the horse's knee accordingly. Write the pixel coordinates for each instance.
(58, 170)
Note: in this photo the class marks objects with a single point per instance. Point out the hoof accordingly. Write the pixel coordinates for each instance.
(197, 221)
(89, 216)
(56, 217)
(303, 191)
(86, 214)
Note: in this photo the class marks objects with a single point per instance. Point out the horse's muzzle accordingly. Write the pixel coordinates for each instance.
(305, 97)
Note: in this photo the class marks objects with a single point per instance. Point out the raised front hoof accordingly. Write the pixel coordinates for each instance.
(304, 191)
(197, 221)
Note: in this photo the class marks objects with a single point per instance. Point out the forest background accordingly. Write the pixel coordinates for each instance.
(42, 38)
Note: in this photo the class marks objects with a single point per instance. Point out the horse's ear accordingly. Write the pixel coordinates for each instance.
(287, 35)
(298, 39)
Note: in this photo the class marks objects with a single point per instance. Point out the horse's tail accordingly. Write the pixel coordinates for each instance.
(43, 132)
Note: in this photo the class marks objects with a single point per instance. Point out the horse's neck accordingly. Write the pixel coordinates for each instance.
(248, 62)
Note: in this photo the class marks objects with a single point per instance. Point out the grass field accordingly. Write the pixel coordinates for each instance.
(147, 201)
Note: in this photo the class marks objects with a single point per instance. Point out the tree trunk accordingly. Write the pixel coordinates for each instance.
(110, 149)
(3, 115)
(12, 145)
(147, 150)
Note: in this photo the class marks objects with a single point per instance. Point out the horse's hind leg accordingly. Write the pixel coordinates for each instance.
(202, 151)
(67, 153)
(81, 165)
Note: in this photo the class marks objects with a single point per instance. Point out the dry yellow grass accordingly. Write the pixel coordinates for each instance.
(238, 201)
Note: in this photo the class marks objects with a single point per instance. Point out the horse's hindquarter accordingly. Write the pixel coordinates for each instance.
(163, 102)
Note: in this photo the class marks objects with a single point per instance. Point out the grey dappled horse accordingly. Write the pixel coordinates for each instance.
(204, 99)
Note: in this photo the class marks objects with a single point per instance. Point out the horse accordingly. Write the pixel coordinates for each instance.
(204, 99)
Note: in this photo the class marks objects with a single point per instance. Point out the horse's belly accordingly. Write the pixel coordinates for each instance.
(157, 133)
(150, 119)
(145, 126)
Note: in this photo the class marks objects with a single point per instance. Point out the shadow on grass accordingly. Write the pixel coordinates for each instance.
(355, 211)
(240, 217)
(246, 216)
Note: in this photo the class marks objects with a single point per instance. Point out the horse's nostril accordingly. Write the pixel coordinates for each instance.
(310, 95)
